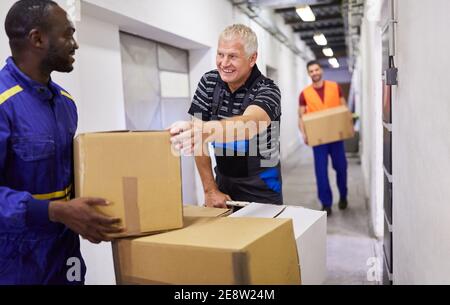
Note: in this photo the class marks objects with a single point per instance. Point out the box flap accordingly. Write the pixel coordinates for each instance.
(302, 218)
(259, 210)
(199, 211)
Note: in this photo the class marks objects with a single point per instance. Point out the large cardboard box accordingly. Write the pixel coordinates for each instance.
(137, 173)
(212, 250)
(310, 229)
(331, 125)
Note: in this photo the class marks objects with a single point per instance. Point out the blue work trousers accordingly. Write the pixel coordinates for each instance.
(339, 161)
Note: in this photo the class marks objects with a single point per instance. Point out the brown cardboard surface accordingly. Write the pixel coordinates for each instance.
(199, 211)
(137, 173)
(331, 125)
(212, 251)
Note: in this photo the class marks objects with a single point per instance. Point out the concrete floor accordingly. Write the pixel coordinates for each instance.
(350, 245)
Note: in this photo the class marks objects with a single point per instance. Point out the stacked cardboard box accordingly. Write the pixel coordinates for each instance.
(137, 173)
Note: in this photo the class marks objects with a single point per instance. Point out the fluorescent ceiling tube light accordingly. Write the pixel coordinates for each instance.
(328, 52)
(320, 39)
(334, 62)
(305, 13)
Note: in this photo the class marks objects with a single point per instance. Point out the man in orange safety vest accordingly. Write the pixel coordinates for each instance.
(322, 95)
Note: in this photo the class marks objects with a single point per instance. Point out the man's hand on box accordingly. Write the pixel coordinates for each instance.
(81, 217)
(216, 199)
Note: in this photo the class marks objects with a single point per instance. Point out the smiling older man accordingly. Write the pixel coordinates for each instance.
(238, 110)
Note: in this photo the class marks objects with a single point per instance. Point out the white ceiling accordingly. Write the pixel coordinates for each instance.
(286, 3)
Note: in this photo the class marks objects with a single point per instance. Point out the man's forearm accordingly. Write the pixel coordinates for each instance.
(205, 170)
(301, 125)
(237, 128)
(230, 130)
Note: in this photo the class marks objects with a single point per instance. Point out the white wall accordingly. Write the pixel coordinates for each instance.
(421, 136)
(100, 100)
(5, 5)
(421, 152)
(4, 47)
(369, 69)
(195, 20)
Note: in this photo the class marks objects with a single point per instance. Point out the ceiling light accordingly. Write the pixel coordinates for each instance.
(320, 39)
(306, 14)
(334, 63)
(328, 52)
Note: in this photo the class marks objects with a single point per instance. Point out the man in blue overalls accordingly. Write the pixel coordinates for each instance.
(39, 223)
(238, 110)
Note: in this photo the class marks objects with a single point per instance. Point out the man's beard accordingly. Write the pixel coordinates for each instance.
(317, 79)
(54, 61)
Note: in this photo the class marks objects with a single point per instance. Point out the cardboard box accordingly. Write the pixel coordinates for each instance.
(310, 229)
(137, 173)
(213, 250)
(328, 126)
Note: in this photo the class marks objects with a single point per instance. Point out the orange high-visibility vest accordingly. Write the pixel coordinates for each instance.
(331, 96)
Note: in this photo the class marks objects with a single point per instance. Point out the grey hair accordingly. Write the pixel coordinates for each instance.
(246, 34)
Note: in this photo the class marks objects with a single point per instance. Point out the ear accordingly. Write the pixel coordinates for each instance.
(253, 59)
(37, 39)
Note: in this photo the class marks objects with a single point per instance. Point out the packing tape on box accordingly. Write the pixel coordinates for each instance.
(130, 199)
(116, 259)
(241, 277)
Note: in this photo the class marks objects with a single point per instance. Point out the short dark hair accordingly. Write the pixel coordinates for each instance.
(312, 63)
(24, 16)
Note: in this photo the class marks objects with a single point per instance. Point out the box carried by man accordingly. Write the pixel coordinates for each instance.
(137, 173)
(328, 126)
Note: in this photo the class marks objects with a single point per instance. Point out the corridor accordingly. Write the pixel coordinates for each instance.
(351, 245)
